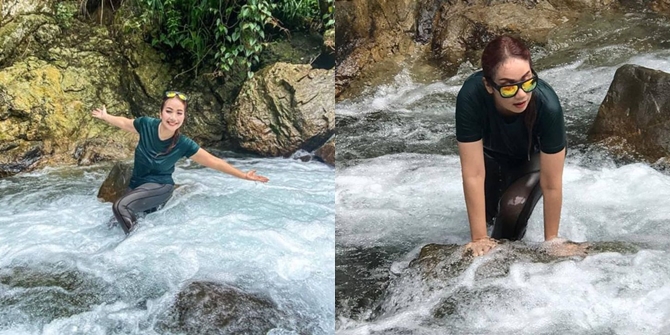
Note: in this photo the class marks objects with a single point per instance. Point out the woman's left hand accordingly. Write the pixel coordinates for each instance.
(251, 175)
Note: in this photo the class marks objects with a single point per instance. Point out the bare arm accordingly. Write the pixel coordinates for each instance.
(203, 157)
(473, 171)
(117, 121)
(551, 182)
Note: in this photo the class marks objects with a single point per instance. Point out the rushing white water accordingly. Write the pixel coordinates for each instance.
(391, 200)
(274, 239)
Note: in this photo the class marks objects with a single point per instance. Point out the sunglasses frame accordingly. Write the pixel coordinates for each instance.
(179, 95)
(517, 84)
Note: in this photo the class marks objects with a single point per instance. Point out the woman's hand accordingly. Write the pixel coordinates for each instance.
(100, 113)
(481, 246)
(251, 175)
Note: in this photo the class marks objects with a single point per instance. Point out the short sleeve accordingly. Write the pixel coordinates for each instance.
(551, 125)
(190, 147)
(139, 122)
(469, 123)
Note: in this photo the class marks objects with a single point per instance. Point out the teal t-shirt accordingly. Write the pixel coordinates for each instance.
(150, 165)
(478, 119)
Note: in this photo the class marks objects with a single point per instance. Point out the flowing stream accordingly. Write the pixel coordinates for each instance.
(63, 271)
(398, 188)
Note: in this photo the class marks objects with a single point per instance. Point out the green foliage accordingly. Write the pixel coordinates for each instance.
(65, 12)
(233, 32)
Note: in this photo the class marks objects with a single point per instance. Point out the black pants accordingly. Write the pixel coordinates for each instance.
(512, 189)
(144, 198)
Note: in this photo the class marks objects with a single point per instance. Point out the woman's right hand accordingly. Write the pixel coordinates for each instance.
(100, 113)
(481, 246)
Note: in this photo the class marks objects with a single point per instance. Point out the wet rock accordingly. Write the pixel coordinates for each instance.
(437, 272)
(661, 6)
(633, 116)
(212, 308)
(449, 261)
(392, 32)
(368, 33)
(462, 30)
(116, 183)
(14, 159)
(40, 293)
(327, 152)
(424, 20)
(285, 107)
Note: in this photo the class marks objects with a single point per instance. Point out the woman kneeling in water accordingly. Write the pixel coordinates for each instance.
(160, 147)
(512, 144)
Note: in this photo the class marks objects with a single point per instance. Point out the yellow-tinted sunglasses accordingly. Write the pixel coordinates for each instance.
(510, 90)
(172, 94)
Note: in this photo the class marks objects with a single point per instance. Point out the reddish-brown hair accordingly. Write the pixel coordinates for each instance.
(495, 54)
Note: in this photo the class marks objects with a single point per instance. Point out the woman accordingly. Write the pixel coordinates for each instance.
(161, 145)
(512, 144)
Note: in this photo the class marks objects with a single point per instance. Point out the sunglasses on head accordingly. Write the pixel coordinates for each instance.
(172, 94)
(510, 90)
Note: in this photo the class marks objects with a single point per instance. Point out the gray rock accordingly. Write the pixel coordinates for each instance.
(633, 116)
(116, 182)
(212, 308)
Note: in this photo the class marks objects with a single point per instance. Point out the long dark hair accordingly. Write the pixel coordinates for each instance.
(177, 133)
(498, 51)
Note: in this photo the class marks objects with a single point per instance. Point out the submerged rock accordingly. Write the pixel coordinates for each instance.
(40, 293)
(632, 118)
(285, 107)
(212, 308)
(116, 183)
(438, 273)
(327, 152)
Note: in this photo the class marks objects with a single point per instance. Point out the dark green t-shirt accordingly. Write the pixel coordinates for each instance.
(478, 119)
(151, 166)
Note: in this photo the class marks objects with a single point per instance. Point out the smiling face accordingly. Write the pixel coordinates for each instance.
(512, 70)
(173, 114)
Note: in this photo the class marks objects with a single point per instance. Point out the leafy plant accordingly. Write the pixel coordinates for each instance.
(229, 32)
(65, 12)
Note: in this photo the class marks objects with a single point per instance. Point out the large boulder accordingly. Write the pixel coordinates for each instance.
(46, 108)
(468, 26)
(53, 74)
(441, 266)
(212, 308)
(633, 116)
(375, 36)
(285, 107)
(368, 33)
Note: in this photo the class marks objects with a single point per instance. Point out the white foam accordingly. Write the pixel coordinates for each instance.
(275, 238)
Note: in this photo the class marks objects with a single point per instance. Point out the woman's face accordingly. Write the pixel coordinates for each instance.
(513, 70)
(172, 115)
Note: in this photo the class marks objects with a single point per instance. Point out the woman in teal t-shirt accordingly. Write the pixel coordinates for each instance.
(512, 144)
(161, 145)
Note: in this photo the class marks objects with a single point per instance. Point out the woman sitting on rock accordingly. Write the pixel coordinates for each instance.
(512, 144)
(161, 145)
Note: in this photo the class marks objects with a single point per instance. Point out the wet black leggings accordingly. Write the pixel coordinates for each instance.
(144, 198)
(512, 189)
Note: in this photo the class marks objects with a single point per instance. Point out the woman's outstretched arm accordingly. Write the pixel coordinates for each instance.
(117, 121)
(203, 157)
